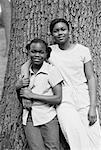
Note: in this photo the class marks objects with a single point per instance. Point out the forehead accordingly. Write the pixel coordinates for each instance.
(38, 45)
(60, 25)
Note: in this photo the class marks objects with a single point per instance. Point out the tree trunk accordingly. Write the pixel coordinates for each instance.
(30, 19)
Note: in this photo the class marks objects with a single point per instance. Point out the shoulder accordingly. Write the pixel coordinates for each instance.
(26, 65)
(82, 50)
(54, 47)
(25, 68)
(82, 47)
(52, 70)
(50, 67)
(54, 76)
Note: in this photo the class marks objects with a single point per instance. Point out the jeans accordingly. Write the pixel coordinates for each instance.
(43, 137)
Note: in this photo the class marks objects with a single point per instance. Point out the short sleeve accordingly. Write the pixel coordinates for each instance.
(87, 55)
(54, 76)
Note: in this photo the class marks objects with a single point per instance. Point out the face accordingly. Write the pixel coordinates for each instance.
(37, 53)
(60, 33)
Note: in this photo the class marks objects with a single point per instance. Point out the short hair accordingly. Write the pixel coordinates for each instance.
(57, 20)
(38, 40)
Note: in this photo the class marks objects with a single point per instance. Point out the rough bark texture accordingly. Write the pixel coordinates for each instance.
(31, 18)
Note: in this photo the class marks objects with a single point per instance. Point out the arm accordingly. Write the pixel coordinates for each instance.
(52, 99)
(92, 91)
(22, 83)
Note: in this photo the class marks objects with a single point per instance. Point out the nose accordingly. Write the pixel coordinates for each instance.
(59, 32)
(37, 54)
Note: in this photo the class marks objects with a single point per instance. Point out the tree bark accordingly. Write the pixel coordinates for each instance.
(30, 19)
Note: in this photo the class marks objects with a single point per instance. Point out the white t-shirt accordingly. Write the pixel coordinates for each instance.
(70, 63)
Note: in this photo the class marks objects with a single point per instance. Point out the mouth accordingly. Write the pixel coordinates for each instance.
(61, 37)
(36, 59)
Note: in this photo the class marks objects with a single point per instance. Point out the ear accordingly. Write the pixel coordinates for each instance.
(28, 47)
(48, 52)
(49, 49)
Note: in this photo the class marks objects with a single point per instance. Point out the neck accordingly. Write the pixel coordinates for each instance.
(36, 68)
(64, 46)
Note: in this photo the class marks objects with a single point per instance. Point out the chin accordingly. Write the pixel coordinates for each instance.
(61, 42)
(37, 63)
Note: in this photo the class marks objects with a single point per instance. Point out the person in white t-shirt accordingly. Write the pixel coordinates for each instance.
(77, 114)
(41, 91)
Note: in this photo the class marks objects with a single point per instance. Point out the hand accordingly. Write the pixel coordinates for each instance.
(92, 116)
(26, 93)
(27, 104)
(21, 83)
(25, 82)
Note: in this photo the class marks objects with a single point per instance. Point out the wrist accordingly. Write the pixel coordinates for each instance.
(18, 86)
(93, 106)
(31, 96)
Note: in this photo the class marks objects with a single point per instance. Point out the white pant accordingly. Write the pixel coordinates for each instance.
(75, 127)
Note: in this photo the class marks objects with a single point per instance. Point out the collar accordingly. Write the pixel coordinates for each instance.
(43, 69)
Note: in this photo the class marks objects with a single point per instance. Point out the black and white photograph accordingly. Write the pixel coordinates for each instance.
(50, 74)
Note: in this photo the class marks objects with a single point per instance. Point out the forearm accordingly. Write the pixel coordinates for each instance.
(53, 99)
(92, 91)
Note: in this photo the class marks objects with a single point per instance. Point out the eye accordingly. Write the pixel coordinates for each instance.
(63, 29)
(56, 30)
(32, 51)
(40, 52)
